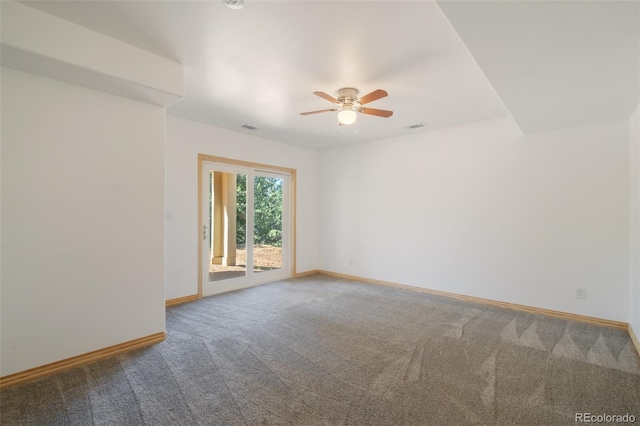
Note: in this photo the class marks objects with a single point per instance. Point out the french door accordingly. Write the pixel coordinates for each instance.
(246, 226)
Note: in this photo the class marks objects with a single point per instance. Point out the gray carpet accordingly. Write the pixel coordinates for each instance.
(322, 351)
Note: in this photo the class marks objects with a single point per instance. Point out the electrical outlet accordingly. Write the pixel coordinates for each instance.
(350, 262)
(581, 293)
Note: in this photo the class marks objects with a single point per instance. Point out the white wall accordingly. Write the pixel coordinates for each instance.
(185, 140)
(82, 221)
(483, 211)
(634, 260)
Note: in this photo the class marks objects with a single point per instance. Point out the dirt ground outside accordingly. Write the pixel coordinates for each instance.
(265, 257)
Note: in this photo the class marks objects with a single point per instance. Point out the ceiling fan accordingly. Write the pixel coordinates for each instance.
(349, 105)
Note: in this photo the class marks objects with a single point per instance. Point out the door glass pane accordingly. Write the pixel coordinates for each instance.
(227, 225)
(267, 230)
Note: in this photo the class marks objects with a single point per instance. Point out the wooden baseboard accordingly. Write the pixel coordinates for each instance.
(306, 273)
(634, 339)
(180, 300)
(506, 305)
(65, 364)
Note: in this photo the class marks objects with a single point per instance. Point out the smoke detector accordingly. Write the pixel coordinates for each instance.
(234, 4)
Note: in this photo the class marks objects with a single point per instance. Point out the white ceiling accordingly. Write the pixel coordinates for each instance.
(554, 64)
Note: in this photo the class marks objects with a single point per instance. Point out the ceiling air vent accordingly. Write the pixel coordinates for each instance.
(415, 126)
(246, 126)
(234, 4)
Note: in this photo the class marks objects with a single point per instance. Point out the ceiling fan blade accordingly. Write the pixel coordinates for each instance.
(317, 112)
(373, 96)
(378, 112)
(327, 97)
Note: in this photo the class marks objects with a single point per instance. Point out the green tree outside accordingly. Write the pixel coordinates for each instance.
(267, 207)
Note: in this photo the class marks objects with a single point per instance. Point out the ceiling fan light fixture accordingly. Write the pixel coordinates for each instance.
(347, 116)
(234, 4)
(348, 105)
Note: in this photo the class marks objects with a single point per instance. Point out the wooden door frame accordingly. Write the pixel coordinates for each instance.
(267, 168)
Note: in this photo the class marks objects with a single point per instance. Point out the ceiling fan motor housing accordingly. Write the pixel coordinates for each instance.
(347, 95)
